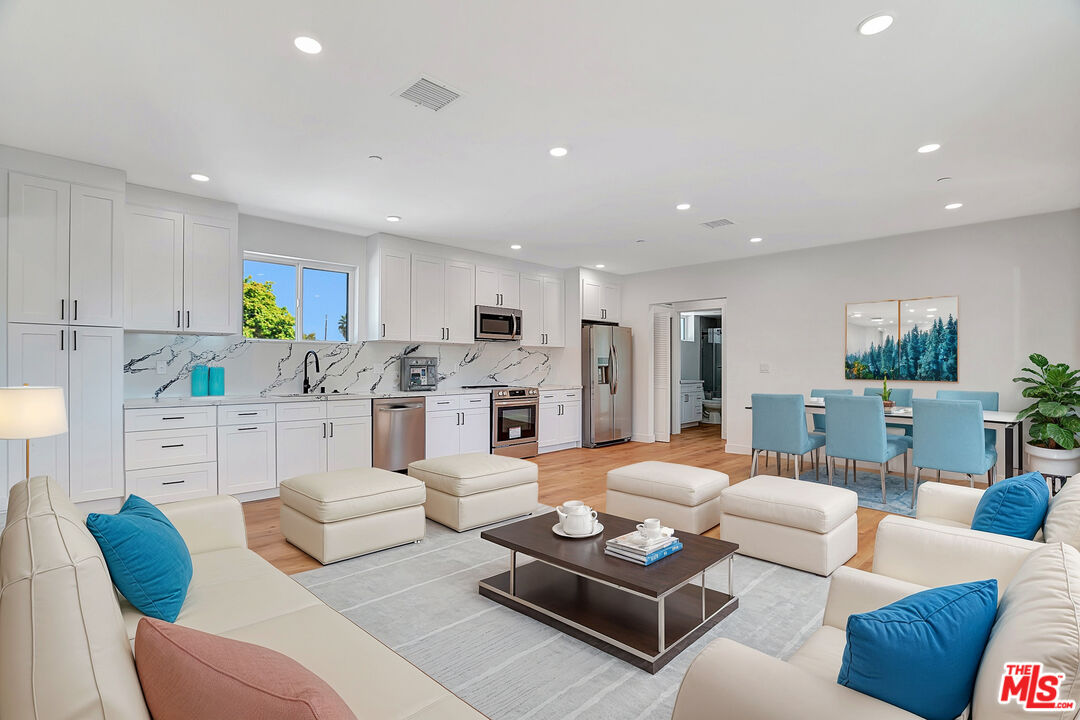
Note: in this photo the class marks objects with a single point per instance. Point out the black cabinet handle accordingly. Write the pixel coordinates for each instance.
(74, 339)
(172, 446)
(246, 414)
(177, 318)
(253, 427)
(61, 340)
(189, 318)
(61, 308)
(174, 482)
(174, 417)
(75, 309)
(331, 429)
(384, 329)
(324, 431)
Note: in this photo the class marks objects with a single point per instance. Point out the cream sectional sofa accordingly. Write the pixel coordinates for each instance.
(65, 635)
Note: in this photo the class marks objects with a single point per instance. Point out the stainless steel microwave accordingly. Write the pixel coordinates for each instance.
(497, 323)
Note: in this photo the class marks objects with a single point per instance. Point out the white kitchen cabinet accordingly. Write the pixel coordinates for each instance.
(590, 300)
(247, 458)
(182, 273)
(154, 276)
(548, 425)
(391, 278)
(600, 300)
(457, 424)
(560, 419)
(543, 310)
(610, 302)
(442, 300)
(174, 483)
(497, 287)
(301, 448)
(95, 397)
(65, 253)
(475, 432)
(570, 422)
(442, 433)
(349, 443)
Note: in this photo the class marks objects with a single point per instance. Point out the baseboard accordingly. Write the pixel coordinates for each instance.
(737, 449)
(257, 495)
(643, 437)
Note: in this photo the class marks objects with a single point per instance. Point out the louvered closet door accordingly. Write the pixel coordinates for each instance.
(662, 375)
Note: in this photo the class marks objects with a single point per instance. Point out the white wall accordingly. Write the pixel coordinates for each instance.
(690, 351)
(1018, 281)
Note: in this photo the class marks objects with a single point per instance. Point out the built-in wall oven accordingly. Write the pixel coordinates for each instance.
(497, 323)
(514, 415)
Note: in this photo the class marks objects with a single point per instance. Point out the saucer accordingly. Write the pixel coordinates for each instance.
(557, 529)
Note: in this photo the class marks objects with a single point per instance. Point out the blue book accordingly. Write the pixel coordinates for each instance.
(648, 559)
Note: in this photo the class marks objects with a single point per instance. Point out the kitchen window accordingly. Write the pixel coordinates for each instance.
(294, 299)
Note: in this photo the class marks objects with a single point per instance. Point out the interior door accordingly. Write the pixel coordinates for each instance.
(460, 304)
(428, 293)
(38, 225)
(95, 413)
(395, 295)
(37, 355)
(211, 256)
(96, 256)
(532, 310)
(301, 448)
(554, 312)
(622, 382)
(350, 443)
(247, 458)
(153, 270)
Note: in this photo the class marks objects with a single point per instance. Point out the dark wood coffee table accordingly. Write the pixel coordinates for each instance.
(643, 615)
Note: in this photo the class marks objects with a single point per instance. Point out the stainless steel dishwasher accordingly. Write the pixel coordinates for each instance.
(397, 433)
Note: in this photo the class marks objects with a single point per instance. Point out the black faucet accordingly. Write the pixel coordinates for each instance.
(307, 383)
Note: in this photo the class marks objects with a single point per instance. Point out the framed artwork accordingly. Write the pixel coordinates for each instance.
(905, 339)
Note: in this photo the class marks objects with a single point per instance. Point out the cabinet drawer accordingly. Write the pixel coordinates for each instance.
(568, 395)
(442, 402)
(169, 418)
(309, 410)
(169, 484)
(243, 414)
(348, 408)
(161, 448)
(474, 401)
(549, 397)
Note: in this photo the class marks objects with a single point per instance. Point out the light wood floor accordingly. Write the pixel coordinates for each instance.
(571, 474)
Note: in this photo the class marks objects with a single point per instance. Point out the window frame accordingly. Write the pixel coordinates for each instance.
(352, 291)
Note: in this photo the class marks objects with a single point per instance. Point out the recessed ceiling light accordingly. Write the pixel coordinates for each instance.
(558, 152)
(515, 247)
(856, 314)
(931, 309)
(199, 177)
(308, 45)
(875, 24)
(757, 240)
(953, 206)
(929, 148)
(682, 206)
(393, 218)
(599, 267)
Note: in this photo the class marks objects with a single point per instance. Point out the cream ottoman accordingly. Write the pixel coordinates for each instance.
(337, 515)
(467, 491)
(682, 496)
(792, 522)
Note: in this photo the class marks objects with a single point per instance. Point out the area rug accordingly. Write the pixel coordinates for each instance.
(867, 484)
(422, 601)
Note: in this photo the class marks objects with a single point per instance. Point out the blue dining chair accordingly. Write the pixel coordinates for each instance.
(857, 433)
(902, 398)
(988, 399)
(948, 437)
(819, 418)
(779, 425)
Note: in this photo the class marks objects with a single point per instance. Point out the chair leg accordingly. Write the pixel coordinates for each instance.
(817, 476)
(882, 483)
(939, 476)
(753, 463)
(796, 475)
(788, 462)
(905, 469)
(971, 479)
(915, 486)
(828, 467)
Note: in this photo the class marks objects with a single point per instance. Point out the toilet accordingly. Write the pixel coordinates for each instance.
(711, 411)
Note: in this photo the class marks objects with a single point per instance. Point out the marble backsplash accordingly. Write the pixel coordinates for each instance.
(254, 367)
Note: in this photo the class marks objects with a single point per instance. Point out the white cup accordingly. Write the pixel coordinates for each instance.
(565, 508)
(651, 528)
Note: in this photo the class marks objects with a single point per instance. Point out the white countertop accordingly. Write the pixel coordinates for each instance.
(133, 403)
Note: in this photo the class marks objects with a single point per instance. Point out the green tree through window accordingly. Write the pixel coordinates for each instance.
(263, 316)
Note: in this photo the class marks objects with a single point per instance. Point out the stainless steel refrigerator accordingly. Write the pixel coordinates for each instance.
(607, 379)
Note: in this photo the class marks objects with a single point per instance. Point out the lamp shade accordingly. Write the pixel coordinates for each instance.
(32, 412)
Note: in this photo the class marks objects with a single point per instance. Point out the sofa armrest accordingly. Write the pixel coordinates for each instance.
(209, 523)
(854, 591)
(936, 555)
(729, 680)
(950, 502)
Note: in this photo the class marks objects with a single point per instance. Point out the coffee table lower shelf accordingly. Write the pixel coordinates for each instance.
(621, 623)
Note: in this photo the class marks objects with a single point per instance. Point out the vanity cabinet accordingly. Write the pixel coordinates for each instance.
(543, 311)
(691, 401)
(443, 302)
(497, 287)
(65, 253)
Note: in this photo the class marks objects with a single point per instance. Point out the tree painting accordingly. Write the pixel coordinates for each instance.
(263, 316)
(927, 349)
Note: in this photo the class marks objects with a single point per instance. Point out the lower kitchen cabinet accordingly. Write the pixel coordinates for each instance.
(349, 443)
(247, 458)
(560, 419)
(334, 443)
(301, 448)
(457, 424)
(170, 484)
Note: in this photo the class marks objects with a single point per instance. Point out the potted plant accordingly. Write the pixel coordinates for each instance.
(1055, 425)
(886, 393)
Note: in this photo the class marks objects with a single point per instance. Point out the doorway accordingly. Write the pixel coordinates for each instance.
(696, 374)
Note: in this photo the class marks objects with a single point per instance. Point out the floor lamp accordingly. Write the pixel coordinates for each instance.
(31, 412)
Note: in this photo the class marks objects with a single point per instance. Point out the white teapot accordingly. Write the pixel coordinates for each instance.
(579, 519)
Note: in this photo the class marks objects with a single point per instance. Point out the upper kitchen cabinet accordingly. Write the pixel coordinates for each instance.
(543, 311)
(442, 300)
(65, 253)
(389, 293)
(497, 287)
(182, 264)
(600, 300)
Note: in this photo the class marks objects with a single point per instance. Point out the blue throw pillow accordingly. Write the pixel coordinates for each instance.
(922, 652)
(1015, 506)
(148, 560)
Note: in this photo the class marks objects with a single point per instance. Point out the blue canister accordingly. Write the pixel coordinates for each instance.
(199, 377)
(217, 381)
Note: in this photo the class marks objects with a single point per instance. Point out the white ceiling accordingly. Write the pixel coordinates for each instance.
(773, 113)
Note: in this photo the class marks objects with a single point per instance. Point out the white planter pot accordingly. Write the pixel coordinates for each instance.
(1063, 463)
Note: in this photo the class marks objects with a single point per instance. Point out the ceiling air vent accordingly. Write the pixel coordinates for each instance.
(429, 94)
(713, 224)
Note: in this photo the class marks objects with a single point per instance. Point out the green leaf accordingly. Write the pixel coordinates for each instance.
(1038, 431)
(1033, 381)
(1038, 360)
(1052, 409)
(1061, 436)
(1071, 423)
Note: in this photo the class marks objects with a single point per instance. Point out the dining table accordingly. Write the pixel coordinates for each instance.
(1005, 420)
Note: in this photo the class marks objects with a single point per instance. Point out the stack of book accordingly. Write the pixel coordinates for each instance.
(636, 548)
